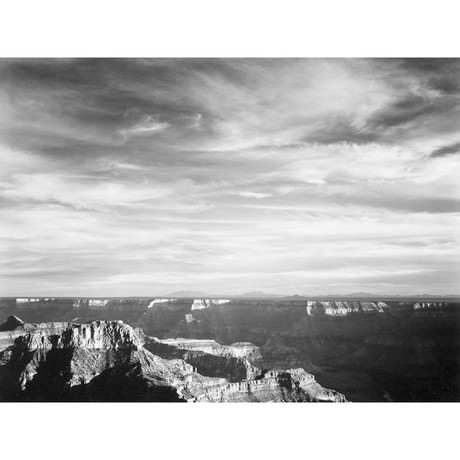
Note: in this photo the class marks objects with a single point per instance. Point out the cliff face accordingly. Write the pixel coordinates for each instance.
(234, 363)
(200, 304)
(107, 361)
(342, 308)
(100, 335)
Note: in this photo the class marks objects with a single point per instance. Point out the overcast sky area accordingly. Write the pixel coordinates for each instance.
(142, 177)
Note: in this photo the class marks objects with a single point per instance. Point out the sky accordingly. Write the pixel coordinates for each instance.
(138, 177)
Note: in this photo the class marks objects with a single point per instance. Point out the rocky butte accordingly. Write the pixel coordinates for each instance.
(230, 349)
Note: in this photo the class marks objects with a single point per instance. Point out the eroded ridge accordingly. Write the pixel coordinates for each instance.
(110, 361)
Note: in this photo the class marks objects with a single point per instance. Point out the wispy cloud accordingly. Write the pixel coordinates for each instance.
(256, 195)
(292, 175)
(140, 123)
(451, 149)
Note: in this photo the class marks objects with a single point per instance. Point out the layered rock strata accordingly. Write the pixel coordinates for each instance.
(368, 349)
(110, 361)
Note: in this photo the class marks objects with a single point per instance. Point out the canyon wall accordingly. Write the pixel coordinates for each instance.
(110, 361)
(368, 349)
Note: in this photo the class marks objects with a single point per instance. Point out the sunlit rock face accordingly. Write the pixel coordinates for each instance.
(200, 304)
(293, 385)
(429, 305)
(91, 303)
(233, 362)
(107, 361)
(102, 335)
(343, 308)
(156, 301)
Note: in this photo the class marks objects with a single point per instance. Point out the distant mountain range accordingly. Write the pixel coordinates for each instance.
(259, 295)
(189, 294)
(264, 295)
(354, 295)
(203, 295)
(359, 294)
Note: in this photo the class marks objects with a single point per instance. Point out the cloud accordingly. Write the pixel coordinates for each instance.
(194, 121)
(256, 195)
(136, 177)
(110, 164)
(141, 123)
(451, 149)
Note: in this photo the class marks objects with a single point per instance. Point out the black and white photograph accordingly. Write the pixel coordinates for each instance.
(229, 229)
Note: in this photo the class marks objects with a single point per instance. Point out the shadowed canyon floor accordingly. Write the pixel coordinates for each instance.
(70, 349)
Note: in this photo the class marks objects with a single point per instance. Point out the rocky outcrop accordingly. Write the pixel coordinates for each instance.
(236, 350)
(429, 305)
(200, 304)
(155, 301)
(342, 308)
(12, 323)
(90, 303)
(110, 361)
(101, 335)
(12, 328)
(246, 382)
(235, 362)
(293, 385)
(242, 355)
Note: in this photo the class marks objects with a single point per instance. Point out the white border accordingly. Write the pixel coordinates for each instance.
(205, 28)
(230, 431)
(213, 28)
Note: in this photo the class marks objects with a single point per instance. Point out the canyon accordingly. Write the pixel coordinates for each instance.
(110, 361)
(230, 349)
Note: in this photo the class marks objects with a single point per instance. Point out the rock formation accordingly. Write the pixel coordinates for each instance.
(110, 361)
(368, 349)
(200, 304)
